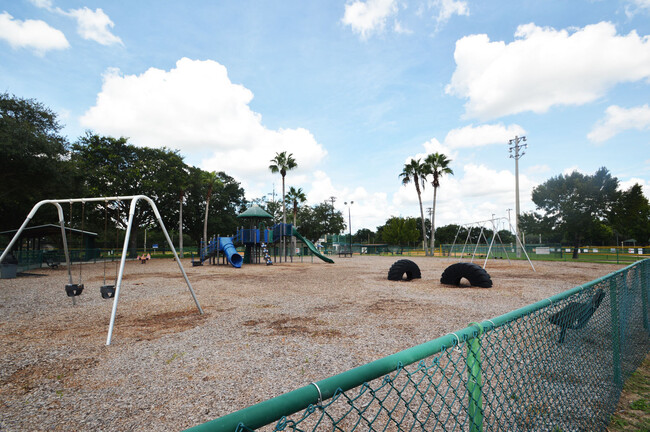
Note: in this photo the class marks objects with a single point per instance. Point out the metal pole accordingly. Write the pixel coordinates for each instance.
(514, 143)
(616, 331)
(475, 382)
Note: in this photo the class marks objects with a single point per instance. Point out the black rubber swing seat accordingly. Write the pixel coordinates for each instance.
(474, 273)
(402, 268)
(108, 291)
(73, 290)
(575, 315)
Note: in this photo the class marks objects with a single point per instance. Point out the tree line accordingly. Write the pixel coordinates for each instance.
(37, 162)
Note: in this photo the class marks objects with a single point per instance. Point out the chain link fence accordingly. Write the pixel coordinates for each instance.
(556, 365)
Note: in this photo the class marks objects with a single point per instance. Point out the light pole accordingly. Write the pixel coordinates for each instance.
(350, 224)
(514, 145)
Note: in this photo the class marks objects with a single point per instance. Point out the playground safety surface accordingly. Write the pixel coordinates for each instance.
(265, 331)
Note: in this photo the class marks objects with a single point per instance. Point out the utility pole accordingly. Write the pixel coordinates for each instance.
(517, 147)
(332, 198)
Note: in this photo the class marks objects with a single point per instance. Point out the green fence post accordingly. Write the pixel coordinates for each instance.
(475, 382)
(616, 331)
(644, 292)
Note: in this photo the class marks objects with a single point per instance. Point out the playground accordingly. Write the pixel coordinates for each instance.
(265, 330)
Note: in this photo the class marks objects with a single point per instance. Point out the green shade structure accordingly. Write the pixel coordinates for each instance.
(255, 211)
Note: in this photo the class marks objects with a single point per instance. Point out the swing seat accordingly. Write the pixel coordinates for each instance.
(73, 290)
(108, 291)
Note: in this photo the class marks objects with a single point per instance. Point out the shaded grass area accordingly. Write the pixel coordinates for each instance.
(633, 410)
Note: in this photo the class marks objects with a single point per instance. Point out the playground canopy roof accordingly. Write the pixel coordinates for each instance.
(255, 211)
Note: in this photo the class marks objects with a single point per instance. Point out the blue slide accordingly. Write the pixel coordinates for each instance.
(228, 248)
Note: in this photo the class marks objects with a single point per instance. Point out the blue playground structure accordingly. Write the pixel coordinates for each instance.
(258, 242)
(214, 247)
(259, 245)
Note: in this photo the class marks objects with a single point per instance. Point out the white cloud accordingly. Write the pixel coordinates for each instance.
(538, 169)
(477, 136)
(195, 108)
(398, 28)
(91, 25)
(94, 25)
(624, 185)
(448, 8)
(619, 119)
(368, 17)
(473, 193)
(636, 6)
(32, 34)
(44, 4)
(544, 67)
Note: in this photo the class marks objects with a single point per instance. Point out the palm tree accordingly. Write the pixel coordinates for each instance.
(416, 172)
(295, 197)
(283, 162)
(437, 165)
(211, 180)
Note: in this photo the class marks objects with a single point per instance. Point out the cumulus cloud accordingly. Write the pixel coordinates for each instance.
(544, 67)
(448, 8)
(477, 136)
(95, 25)
(195, 108)
(618, 119)
(31, 34)
(473, 193)
(368, 17)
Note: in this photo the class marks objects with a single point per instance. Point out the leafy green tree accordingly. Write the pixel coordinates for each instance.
(318, 220)
(415, 171)
(630, 215)
(577, 203)
(427, 227)
(33, 164)
(212, 181)
(447, 234)
(506, 236)
(226, 202)
(112, 167)
(364, 235)
(437, 165)
(535, 224)
(400, 231)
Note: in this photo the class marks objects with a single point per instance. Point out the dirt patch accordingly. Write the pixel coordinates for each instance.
(266, 330)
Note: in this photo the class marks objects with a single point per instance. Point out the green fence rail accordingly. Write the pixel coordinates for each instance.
(556, 365)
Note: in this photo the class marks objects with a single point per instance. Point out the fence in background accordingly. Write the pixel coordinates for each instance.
(556, 365)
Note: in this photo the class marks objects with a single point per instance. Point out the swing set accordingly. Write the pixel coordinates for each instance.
(481, 225)
(107, 291)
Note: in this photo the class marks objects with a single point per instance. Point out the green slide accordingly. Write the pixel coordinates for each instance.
(311, 247)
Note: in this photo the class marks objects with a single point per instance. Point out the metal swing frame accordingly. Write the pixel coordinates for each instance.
(482, 224)
(134, 201)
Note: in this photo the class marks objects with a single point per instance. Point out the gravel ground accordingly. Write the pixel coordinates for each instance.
(265, 331)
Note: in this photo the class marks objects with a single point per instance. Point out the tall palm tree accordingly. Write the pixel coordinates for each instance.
(437, 165)
(416, 172)
(283, 162)
(295, 197)
(211, 180)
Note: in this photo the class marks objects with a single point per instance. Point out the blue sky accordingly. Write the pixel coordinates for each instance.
(353, 89)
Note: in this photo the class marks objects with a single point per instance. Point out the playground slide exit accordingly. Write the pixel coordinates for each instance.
(228, 248)
(311, 247)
